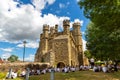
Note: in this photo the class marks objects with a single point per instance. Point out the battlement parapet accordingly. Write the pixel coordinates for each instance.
(76, 24)
(66, 22)
(45, 27)
(52, 30)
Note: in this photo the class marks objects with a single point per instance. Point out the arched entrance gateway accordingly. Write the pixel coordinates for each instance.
(60, 65)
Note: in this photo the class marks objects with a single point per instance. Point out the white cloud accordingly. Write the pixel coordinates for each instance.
(5, 55)
(84, 44)
(80, 21)
(25, 22)
(7, 49)
(29, 45)
(40, 4)
(50, 1)
(77, 0)
(30, 58)
(32, 45)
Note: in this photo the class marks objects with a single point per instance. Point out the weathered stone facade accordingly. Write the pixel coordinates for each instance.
(61, 48)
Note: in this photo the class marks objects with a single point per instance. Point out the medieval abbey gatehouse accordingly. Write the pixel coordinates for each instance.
(61, 48)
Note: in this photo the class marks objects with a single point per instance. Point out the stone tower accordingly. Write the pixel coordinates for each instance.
(60, 48)
(78, 40)
(45, 38)
(66, 26)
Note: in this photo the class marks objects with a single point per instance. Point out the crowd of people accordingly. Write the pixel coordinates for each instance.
(105, 68)
(38, 71)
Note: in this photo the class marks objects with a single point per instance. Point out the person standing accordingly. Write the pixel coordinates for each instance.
(92, 62)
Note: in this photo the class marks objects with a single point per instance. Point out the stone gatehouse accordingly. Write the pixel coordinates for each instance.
(61, 48)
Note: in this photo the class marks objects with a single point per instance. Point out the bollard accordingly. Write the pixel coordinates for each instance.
(10, 73)
(27, 74)
(52, 74)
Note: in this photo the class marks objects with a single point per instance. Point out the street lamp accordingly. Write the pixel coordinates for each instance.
(24, 43)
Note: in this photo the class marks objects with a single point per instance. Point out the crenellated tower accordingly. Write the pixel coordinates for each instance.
(78, 40)
(66, 26)
(45, 37)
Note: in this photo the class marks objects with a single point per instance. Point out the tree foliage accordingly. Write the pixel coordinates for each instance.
(87, 54)
(13, 58)
(104, 13)
(103, 33)
(100, 44)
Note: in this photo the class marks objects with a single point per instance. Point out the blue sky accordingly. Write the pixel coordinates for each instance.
(23, 19)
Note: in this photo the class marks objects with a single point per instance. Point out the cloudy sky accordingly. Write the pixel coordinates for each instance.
(23, 20)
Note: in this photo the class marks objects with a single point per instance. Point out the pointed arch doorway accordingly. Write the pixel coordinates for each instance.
(60, 65)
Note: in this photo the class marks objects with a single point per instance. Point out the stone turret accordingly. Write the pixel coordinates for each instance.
(56, 28)
(45, 38)
(78, 40)
(77, 33)
(52, 33)
(45, 30)
(52, 30)
(66, 26)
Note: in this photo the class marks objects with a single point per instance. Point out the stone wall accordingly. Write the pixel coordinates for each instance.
(61, 51)
(20, 65)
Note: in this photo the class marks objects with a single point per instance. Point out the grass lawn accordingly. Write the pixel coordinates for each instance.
(79, 75)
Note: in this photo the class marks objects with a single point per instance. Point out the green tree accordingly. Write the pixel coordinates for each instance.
(104, 13)
(13, 58)
(103, 33)
(97, 43)
(101, 44)
(87, 54)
